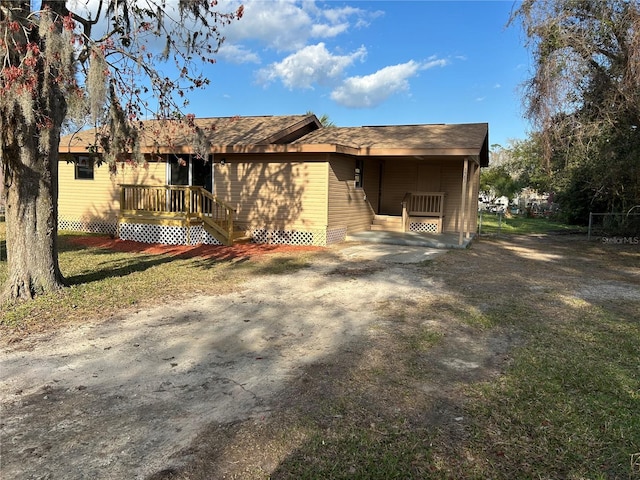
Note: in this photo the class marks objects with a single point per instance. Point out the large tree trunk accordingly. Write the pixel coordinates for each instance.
(31, 220)
(32, 110)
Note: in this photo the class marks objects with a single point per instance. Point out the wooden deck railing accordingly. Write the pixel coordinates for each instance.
(422, 204)
(177, 202)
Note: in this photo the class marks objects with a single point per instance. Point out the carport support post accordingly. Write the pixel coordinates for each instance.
(463, 203)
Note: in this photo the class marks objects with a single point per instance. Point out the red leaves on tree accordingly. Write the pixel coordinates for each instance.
(68, 23)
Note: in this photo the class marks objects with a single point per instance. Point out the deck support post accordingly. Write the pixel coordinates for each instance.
(463, 202)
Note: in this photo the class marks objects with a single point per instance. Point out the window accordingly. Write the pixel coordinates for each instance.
(179, 170)
(187, 170)
(84, 168)
(358, 174)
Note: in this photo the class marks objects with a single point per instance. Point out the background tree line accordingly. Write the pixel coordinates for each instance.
(583, 100)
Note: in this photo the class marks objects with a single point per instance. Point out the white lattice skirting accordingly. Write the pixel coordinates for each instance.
(196, 234)
(336, 235)
(167, 234)
(109, 227)
(293, 237)
(424, 226)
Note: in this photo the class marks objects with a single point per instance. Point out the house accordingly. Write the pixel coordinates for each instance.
(276, 179)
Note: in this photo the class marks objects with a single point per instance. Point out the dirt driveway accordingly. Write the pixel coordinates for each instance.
(126, 399)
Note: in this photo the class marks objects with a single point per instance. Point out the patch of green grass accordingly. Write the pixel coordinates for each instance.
(491, 223)
(567, 408)
(282, 264)
(105, 283)
(566, 405)
(423, 339)
(363, 452)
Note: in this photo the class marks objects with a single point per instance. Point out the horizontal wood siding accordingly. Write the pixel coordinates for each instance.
(451, 184)
(99, 199)
(275, 194)
(371, 182)
(349, 206)
(472, 201)
(402, 175)
(399, 178)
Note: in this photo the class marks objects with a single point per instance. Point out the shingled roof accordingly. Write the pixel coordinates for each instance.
(434, 139)
(221, 131)
(303, 133)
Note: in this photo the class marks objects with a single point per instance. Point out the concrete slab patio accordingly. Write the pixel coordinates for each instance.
(432, 240)
(388, 253)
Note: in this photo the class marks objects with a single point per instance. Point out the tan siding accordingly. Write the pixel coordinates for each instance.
(98, 199)
(453, 204)
(399, 178)
(452, 184)
(408, 175)
(438, 176)
(348, 206)
(452, 181)
(472, 199)
(429, 177)
(275, 194)
(371, 182)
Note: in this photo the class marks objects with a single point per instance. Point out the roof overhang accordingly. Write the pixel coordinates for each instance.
(346, 150)
(324, 148)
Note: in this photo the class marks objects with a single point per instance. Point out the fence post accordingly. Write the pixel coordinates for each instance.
(499, 223)
(480, 224)
(589, 231)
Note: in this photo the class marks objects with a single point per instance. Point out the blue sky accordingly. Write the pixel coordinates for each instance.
(372, 63)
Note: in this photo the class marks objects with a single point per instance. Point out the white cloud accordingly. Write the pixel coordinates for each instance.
(237, 54)
(288, 25)
(434, 62)
(340, 15)
(328, 31)
(311, 65)
(371, 90)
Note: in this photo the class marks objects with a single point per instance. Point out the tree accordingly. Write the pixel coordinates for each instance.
(584, 97)
(324, 120)
(103, 63)
(527, 165)
(497, 181)
(514, 167)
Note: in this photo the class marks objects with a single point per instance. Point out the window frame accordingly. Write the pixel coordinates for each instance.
(358, 174)
(84, 168)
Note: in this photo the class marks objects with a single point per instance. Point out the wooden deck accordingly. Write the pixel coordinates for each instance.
(178, 205)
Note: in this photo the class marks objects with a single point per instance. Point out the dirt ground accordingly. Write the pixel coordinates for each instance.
(129, 397)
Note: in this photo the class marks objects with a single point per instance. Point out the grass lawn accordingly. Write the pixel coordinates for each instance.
(105, 283)
(565, 404)
(492, 223)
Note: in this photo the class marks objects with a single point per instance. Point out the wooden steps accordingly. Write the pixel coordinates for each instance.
(387, 223)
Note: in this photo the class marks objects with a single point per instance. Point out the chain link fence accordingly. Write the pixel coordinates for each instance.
(619, 225)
